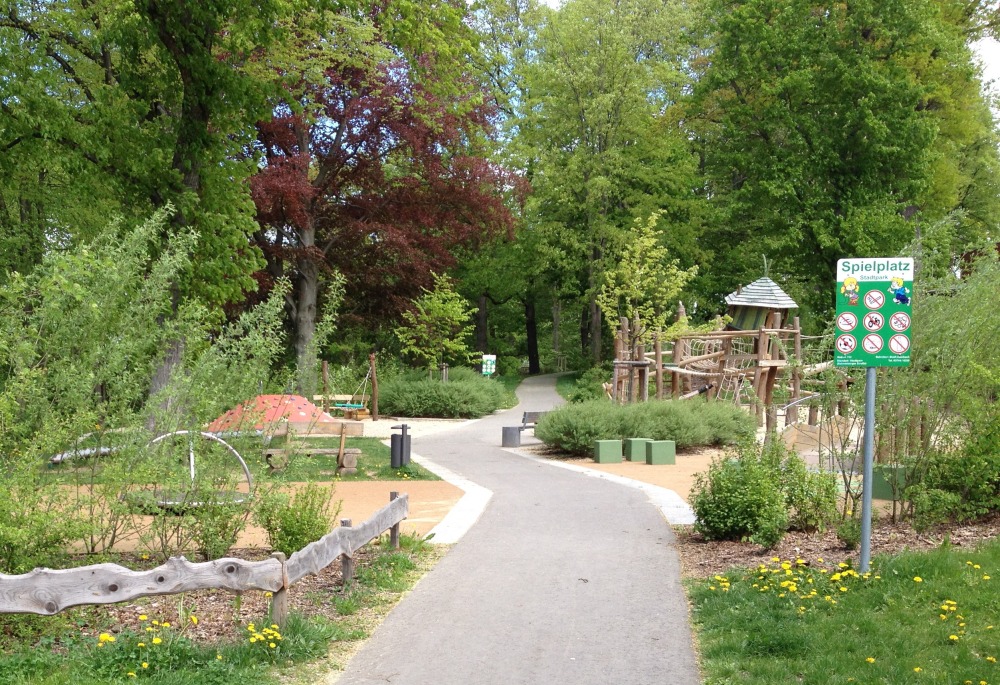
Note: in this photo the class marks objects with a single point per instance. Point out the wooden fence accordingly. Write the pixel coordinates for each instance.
(47, 591)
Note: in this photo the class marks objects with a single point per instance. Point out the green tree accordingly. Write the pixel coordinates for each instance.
(596, 143)
(438, 327)
(644, 283)
(829, 131)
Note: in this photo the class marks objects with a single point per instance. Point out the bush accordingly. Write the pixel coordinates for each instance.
(465, 395)
(574, 427)
(759, 493)
(293, 522)
(738, 499)
(590, 385)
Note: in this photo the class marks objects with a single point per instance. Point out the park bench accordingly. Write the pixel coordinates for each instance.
(530, 419)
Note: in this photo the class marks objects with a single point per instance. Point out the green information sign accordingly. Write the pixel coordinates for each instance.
(489, 364)
(874, 310)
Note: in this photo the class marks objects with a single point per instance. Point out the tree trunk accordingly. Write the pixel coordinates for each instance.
(595, 330)
(556, 317)
(531, 325)
(584, 332)
(305, 311)
(482, 332)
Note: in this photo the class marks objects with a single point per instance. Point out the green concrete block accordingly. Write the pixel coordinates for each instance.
(661, 452)
(608, 451)
(635, 449)
(882, 479)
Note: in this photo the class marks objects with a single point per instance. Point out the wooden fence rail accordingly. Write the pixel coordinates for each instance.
(48, 591)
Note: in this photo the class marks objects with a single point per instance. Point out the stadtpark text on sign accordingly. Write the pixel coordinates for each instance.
(874, 312)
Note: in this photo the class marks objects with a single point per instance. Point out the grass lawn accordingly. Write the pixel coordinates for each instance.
(929, 617)
(566, 383)
(374, 463)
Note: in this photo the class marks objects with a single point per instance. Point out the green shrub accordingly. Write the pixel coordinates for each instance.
(760, 492)
(291, 523)
(35, 524)
(738, 499)
(849, 532)
(590, 385)
(810, 496)
(574, 427)
(465, 395)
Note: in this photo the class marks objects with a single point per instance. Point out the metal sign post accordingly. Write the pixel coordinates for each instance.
(873, 329)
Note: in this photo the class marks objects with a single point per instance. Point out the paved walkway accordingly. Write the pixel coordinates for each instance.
(564, 579)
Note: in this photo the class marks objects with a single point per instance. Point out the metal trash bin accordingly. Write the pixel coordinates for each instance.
(511, 436)
(399, 447)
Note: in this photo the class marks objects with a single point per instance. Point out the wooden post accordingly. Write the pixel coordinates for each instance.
(792, 415)
(371, 365)
(615, 395)
(279, 600)
(813, 415)
(658, 362)
(346, 562)
(343, 441)
(326, 386)
(394, 531)
(676, 386)
(720, 373)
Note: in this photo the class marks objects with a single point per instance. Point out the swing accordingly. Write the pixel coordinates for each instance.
(351, 404)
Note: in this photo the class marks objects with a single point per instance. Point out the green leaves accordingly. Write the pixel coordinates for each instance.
(437, 329)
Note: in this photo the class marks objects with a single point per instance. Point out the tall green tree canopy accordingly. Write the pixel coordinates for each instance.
(829, 130)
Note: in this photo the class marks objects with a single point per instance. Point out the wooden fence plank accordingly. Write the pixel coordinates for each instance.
(47, 591)
(316, 556)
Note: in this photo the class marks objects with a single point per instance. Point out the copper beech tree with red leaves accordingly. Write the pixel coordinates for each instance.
(378, 179)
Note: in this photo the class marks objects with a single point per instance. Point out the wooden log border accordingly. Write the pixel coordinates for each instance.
(47, 591)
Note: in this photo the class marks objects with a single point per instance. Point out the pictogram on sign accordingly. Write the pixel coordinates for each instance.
(872, 343)
(874, 299)
(846, 344)
(874, 321)
(847, 322)
(899, 321)
(898, 344)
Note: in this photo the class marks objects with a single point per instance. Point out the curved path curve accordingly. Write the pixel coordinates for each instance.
(564, 579)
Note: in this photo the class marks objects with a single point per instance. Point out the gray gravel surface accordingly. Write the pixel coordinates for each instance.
(564, 579)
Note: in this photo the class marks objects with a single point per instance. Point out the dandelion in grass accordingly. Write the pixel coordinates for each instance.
(141, 644)
(218, 657)
(193, 619)
(145, 664)
(991, 659)
(986, 577)
(271, 645)
(870, 660)
(165, 624)
(131, 674)
(143, 617)
(157, 640)
(917, 579)
(953, 638)
(917, 669)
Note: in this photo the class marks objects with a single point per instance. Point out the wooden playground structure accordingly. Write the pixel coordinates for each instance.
(741, 364)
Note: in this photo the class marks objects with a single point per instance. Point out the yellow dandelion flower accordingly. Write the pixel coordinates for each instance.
(105, 637)
(870, 660)
(819, 559)
(141, 644)
(156, 623)
(917, 669)
(166, 625)
(986, 577)
(275, 626)
(145, 665)
(194, 619)
(218, 657)
(131, 674)
(157, 640)
(976, 566)
(143, 617)
(991, 659)
(953, 638)
(271, 645)
(917, 579)
(252, 640)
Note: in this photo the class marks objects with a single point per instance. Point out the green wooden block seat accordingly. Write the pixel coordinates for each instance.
(608, 451)
(659, 452)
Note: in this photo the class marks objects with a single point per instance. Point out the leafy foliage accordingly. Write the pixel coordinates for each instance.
(465, 395)
(292, 522)
(575, 427)
(761, 491)
(437, 328)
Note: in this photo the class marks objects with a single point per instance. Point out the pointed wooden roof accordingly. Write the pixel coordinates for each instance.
(761, 293)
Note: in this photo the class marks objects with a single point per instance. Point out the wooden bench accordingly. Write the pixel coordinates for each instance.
(530, 419)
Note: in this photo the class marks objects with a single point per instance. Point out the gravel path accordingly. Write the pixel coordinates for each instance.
(564, 579)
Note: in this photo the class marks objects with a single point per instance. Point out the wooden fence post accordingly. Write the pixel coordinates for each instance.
(658, 363)
(346, 562)
(394, 531)
(279, 600)
(371, 365)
